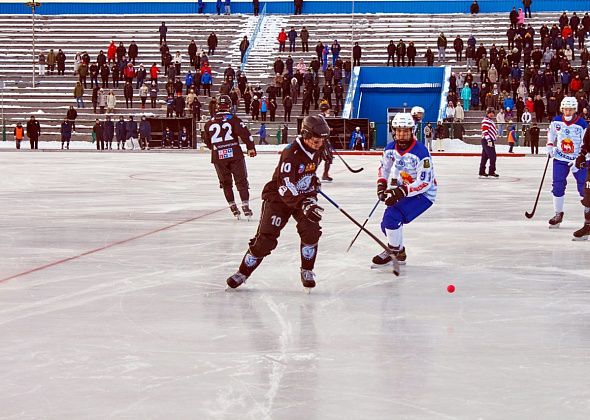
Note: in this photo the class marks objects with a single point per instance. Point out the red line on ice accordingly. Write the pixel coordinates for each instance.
(102, 248)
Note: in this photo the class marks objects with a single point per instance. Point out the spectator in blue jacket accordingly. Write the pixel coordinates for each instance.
(188, 80)
(218, 6)
(145, 133)
(325, 54)
(508, 103)
(335, 52)
(262, 134)
(121, 132)
(228, 7)
(66, 133)
(167, 138)
(131, 132)
(292, 35)
(108, 133)
(357, 140)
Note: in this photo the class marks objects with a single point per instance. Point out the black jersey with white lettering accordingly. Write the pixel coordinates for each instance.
(294, 178)
(221, 135)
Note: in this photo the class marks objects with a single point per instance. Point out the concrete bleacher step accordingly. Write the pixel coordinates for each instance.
(373, 32)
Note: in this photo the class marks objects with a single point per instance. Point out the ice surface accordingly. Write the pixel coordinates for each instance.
(112, 301)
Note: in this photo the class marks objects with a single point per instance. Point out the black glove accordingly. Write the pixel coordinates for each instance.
(581, 161)
(327, 154)
(381, 187)
(395, 194)
(311, 210)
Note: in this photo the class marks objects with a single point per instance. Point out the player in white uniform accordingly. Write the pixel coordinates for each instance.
(564, 144)
(412, 189)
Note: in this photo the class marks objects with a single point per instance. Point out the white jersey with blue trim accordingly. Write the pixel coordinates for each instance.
(566, 137)
(412, 167)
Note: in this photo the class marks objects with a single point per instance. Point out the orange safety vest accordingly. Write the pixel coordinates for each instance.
(19, 132)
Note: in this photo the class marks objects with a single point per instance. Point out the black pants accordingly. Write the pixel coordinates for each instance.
(356, 62)
(487, 153)
(273, 218)
(305, 46)
(34, 143)
(411, 61)
(535, 147)
(99, 144)
(229, 171)
(392, 58)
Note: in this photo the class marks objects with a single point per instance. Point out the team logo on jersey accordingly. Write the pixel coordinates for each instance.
(426, 163)
(310, 167)
(308, 252)
(406, 177)
(226, 153)
(567, 146)
(304, 184)
(301, 168)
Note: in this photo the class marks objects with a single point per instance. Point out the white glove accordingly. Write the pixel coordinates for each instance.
(550, 151)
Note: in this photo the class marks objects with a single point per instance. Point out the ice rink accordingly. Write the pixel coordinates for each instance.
(112, 301)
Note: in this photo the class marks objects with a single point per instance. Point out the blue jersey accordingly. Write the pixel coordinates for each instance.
(412, 167)
(566, 137)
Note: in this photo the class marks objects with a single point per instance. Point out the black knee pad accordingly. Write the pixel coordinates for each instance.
(262, 245)
(242, 184)
(311, 236)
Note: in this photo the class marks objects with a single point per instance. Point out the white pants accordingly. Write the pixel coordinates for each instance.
(41, 69)
(439, 145)
(132, 143)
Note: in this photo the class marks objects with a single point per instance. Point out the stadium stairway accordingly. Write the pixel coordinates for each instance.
(51, 98)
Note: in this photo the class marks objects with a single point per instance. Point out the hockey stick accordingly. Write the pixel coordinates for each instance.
(531, 214)
(355, 171)
(396, 269)
(360, 230)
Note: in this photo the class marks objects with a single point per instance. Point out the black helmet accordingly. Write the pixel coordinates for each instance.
(314, 126)
(224, 103)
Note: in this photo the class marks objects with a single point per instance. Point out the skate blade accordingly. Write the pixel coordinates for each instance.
(386, 265)
(554, 226)
(580, 239)
(307, 290)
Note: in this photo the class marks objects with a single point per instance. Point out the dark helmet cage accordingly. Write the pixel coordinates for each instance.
(224, 103)
(314, 126)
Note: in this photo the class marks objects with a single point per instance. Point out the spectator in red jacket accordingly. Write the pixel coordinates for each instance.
(282, 38)
(154, 71)
(112, 52)
(129, 72)
(575, 85)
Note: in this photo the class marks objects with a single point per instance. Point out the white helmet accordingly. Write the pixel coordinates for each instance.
(416, 110)
(402, 120)
(569, 102)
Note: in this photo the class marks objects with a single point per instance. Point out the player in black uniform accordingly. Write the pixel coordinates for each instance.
(327, 151)
(221, 135)
(581, 163)
(291, 192)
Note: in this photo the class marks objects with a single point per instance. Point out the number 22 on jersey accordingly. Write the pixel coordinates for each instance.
(221, 132)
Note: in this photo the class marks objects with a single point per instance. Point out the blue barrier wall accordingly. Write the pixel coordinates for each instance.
(55, 7)
(374, 93)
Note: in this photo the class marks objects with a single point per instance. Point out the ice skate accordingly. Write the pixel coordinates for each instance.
(556, 220)
(235, 280)
(483, 176)
(385, 259)
(307, 279)
(247, 211)
(235, 211)
(327, 178)
(582, 234)
(494, 175)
